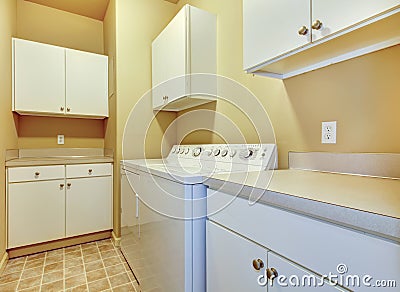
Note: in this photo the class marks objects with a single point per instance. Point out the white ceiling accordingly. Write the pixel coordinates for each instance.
(90, 8)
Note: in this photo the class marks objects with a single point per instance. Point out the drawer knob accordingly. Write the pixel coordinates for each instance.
(303, 30)
(68, 184)
(258, 264)
(272, 274)
(317, 24)
(37, 173)
(62, 108)
(90, 171)
(61, 185)
(68, 109)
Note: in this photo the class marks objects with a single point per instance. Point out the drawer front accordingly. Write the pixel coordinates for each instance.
(36, 173)
(317, 245)
(88, 170)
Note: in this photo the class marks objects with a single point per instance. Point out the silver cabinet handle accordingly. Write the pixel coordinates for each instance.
(303, 30)
(317, 24)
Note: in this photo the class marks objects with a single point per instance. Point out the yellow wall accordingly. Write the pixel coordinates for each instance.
(48, 25)
(361, 94)
(8, 134)
(138, 23)
(110, 125)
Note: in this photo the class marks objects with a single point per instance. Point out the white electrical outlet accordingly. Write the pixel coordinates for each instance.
(328, 133)
(60, 139)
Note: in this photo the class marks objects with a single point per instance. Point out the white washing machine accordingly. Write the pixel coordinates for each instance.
(164, 210)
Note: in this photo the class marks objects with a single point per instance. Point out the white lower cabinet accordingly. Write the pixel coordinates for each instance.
(36, 212)
(88, 205)
(235, 263)
(53, 202)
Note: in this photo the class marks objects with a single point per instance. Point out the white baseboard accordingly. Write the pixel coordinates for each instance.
(117, 240)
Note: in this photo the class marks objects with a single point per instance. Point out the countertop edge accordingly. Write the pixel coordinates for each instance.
(364, 221)
(56, 161)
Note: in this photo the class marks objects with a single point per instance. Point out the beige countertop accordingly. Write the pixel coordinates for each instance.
(366, 203)
(55, 156)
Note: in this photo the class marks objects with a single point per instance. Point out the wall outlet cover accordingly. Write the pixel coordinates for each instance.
(60, 139)
(328, 132)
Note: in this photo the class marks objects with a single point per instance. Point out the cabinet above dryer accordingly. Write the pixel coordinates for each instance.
(286, 38)
(56, 81)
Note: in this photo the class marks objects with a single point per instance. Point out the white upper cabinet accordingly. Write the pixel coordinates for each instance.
(186, 46)
(50, 80)
(39, 77)
(86, 84)
(283, 38)
(274, 25)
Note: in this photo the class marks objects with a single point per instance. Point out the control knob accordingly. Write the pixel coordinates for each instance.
(182, 150)
(196, 151)
(216, 152)
(187, 150)
(232, 153)
(248, 153)
(224, 153)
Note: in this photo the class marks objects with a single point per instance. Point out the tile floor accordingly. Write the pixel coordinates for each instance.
(94, 266)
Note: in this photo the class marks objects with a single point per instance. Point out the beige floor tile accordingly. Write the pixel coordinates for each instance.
(15, 261)
(104, 241)
(73, 271)
(90, 250)
(124, 288)
(99, 285)
(112, 261)
(32, 273)
(54, 267)
(30, 282)
(37, 256)
(10, 278)
(31, 289)
(34, 264)
(96, 275)
(13, 268)
(108, 254)
(106, 247)
(82, 288)
(119, 280)
(92, 266)
(55, 252)
(54, 286)
(91, 257)
(88, 245)
(53, 277)
(54, 259)
(75, 281)
(73, 255)
(115, 270)
(9, 287)
(73, 248)
(73, 262)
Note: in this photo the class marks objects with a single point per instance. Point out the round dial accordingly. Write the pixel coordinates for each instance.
(181, 151)
(174, 149)
(232, 153)
(248, 153)
(216, 152)
(196, 151)
(224, 153)
(187, 150)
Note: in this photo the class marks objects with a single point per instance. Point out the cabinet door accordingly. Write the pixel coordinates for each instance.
(270, 28)
(292, 277)
(169, 60)
(86, 84)
(336, 15)
(88, 205)
(36, 212)
(39, 77)
(230, 261)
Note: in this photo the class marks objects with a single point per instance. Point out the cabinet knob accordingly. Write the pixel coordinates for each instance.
(61, 185)
(303, 30)
(258, 264)
(272, 274)
(317, 24)
(37, 173)
(90, 171)
(62, 108)
(68, 184)
(68, 109)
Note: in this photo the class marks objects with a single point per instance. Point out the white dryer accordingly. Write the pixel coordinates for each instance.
(164, 213)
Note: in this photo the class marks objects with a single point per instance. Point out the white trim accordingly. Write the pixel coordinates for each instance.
(3, 262)
(117, 240)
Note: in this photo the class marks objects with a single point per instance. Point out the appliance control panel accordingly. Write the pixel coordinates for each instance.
(247, 154)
